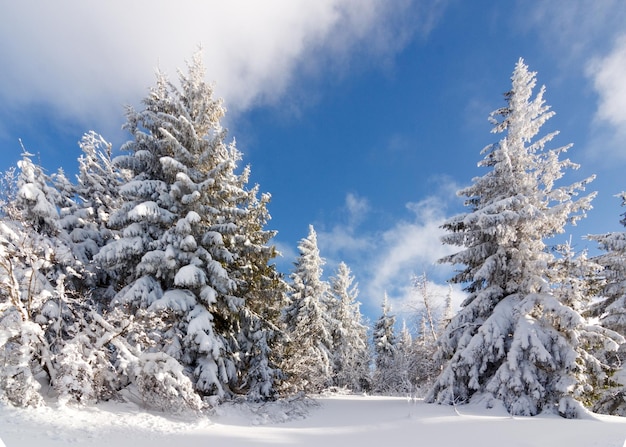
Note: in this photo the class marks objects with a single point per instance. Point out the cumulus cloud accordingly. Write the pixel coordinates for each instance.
(88, 59)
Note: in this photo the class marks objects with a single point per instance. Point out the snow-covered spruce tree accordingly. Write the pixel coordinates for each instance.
(83, 372)
(8, 193)
(448, 312)
(611, 309)
(407, 360)
(350, 355)
(387, 376)
(265, 293)
(86, 371)
(514, 339)
(577, 281)
(97, 197)
(308, 354)
(186, 261)
(38, 313)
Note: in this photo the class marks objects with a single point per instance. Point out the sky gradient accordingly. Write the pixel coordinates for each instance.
(361, 117)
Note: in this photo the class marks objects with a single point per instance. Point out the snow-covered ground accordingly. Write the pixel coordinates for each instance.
(336, 421)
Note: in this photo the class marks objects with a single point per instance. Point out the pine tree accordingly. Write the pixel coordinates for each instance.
(38, 311)
(611, 310)
(448, 312)
(406, 361)
(307, 322)
(387, 377)
(514, 340)
(97, 194)
(350, 347)
(265, 292)
(190, 268)
(8, 193)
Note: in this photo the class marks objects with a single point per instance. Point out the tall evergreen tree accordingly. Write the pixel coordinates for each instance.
(265, 292)
(8, 193)
(611, 309)
(514, 340)
(388, 376)
(97, 198)
(407, 361)
(308, 354)
(189, 267)
(351, 367)
(38, 311)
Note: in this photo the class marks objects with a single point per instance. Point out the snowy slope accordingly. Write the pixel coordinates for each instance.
(336, 421)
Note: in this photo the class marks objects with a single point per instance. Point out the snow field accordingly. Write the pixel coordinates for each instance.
(338, 420)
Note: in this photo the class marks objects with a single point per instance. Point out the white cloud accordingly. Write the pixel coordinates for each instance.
(384, 261)
(344, 239)
(576, 36)
(410, 247)
(88, 59)
(571, 32)
(357, 208)
(609, 80)
(409, 304)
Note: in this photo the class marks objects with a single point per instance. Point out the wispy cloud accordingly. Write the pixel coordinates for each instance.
(409, 304)
(574, 31)
(578, 36)
(384, 261)
(609, 81)
(410, 247)
(357, 208)
(345, 239)
(88, 59)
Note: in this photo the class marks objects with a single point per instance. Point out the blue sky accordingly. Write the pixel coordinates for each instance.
(361, 117)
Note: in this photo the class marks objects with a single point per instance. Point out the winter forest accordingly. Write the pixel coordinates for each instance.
(150, 278)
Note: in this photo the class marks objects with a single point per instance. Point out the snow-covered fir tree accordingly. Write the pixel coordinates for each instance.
(388, 374)
(351, 356)
(576, 278)
(8, 193)
(265, 292)
(97, 197)
(307, 322)
(448, 311)
(610, 309)
(38, 311)
(192, 253)
(515, 340)
(577, 282)
(407, 361)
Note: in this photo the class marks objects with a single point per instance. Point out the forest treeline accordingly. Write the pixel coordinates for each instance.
(150, 277)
